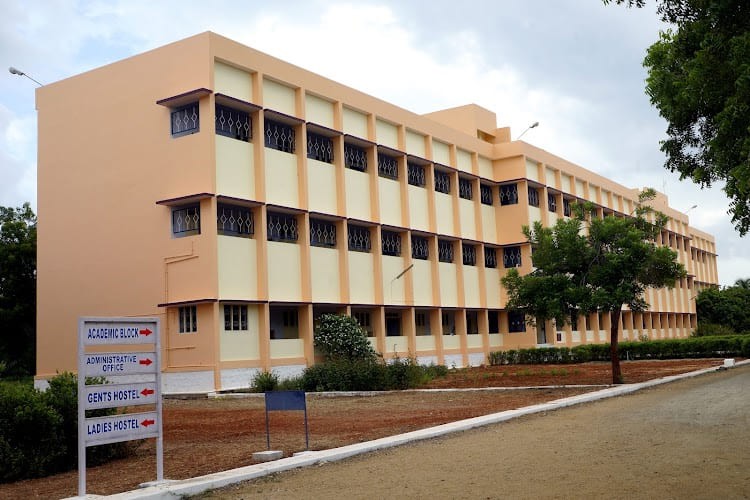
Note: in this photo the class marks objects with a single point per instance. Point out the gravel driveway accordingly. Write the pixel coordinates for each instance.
(688, 439)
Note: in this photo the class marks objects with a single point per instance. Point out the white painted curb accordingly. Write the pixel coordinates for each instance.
(196, 485)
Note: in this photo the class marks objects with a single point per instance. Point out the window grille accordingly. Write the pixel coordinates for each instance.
(533, 196)
(234, 221)
(235, 318)
(420, 319)
(322, 233)
(188, 319)
(512, 257)
(490, 257)
(186, 221)
(185, 120)
(465, 190)
(391, 243)
(355, 157)
(233, 123)
(469, 253)
(508, 194)
(279, 136)
(416, 174)
(387, 166)
(290, 318)
(566, 207)
(319, 147)
(363, 318)
(445, 251)
(420, 249)
(551, 202)
(472, 323)
(516, 322)
(442, 182)
(359, 238)
(485, 194)
(282, 227)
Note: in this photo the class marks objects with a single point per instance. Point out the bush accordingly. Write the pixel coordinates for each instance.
(368, 375)
(708, 329)
(342, 338)
(265, 381)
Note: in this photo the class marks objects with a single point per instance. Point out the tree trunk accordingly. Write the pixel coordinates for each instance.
(613, 340)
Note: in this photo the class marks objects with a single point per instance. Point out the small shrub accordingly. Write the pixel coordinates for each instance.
(711, 329)
(290, 384)
(265, 381)
(341, 337)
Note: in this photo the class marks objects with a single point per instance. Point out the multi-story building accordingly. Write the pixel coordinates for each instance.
(239, 197)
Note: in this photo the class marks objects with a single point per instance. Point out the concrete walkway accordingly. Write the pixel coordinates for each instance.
(201, 484)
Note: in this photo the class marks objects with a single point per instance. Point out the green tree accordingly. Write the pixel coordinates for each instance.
(590, 264)
(743, 283)
(18, 289)
(341, 338)
(699, 80)
(729, 307)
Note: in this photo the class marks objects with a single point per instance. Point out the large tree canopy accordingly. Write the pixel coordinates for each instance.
(699, 80)
(17, 289)
(587, 264)
(729, 307)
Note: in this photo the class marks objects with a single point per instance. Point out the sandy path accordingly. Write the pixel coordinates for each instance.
(689, 439)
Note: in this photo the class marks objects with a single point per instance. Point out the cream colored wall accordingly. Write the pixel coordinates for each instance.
(565, 181)
(390, 208)
(489, 225)
(448, 285)
(422, 273)
(234, 168)
(238, 345)
(551, 179)
(471, 287)
(463, 158)
(492, 284)
(324, 269)
(473, 341)
(284, 272)
(441, 153)
(579, 189)
(397, 346)
(355, 123)
(232, 81)
(281, 178)
(451, 342)
(361, 278)
(444, 213)
(287, 348)
(419, 216)
(321, 187)
(237, 268)
(535, 214)
(496, 340)
(425, 342)
(415, 144)
(278, 97)
(467, 217)
(393, 289)
(319, 111)
(357, 194)
(387, 134)
(532, 169)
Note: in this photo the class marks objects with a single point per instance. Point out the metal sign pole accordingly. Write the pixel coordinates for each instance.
(81, 415)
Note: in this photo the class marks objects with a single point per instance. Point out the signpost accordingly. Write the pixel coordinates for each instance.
(119, 336)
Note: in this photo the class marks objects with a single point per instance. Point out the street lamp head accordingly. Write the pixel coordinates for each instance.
(534, 125)
(14, 71)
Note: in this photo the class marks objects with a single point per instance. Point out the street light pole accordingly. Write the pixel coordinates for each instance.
(14, 71)
(533, 125)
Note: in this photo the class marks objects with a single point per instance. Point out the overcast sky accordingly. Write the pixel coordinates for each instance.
(575, 66)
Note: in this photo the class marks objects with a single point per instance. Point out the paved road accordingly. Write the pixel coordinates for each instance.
(688, 439)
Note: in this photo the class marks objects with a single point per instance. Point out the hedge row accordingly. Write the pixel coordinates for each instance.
(693, 347)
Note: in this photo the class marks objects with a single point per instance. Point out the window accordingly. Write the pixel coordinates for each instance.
(186, 221)
(420, 319)
(416, 174)
(485, 194)
(469, 254)
(233, 123)
(363, 318)
(359, 238)
(508, 194)
(232, 220)
(279, 136)
(472, 323)
(533, 196)
(387, 166)
(284, 322)
(442, 182)
(566, 207)
(574, 321)
(516, 322)
(445, 251)
(420, 249)
(490, 257)
(391, 243)
(322, 233)
(319, 147)
(551, 202)
(393, 324)
(185, 120)
(465, 190)
(282, 227)
(448, 320)
(512, 257)
(355, 157)
(188, 319)
(493, 322)
(235, 318)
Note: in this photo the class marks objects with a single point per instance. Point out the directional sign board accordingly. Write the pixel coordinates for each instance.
(120, 333)
(118, 363)
(102, 430)
(116, 395)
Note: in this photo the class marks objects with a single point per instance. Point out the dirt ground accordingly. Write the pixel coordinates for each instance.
(202, 436)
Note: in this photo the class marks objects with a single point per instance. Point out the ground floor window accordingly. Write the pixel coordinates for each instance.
(235, 318)
(188, 319)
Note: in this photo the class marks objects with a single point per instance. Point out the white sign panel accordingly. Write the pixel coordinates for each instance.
(116, 395)
(119, 363)
(111, 333)
(102, 430)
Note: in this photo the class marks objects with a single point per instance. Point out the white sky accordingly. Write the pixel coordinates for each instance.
(575, 66)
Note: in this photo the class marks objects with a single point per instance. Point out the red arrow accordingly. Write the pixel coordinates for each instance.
(147, 392)
(145, 361)
(145, 332)
(146, 423)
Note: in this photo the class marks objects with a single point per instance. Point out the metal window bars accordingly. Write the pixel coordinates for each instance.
(533, 196)
(359, 238)
(322, 233)
(391, 243)
(282, 227)
(279, 136)
(485, 194)
(234, 221)
(185, 120)
(512, 257)
(186, 220)
(416, 174)
(319, 147)
(442, 182)
(387, 166)
(508, 194)
(445, 251)
(233, 123)
(355, 157)
(551, 202)
(469, 253)
(490, 257)
(465, 190)
(420, 249)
